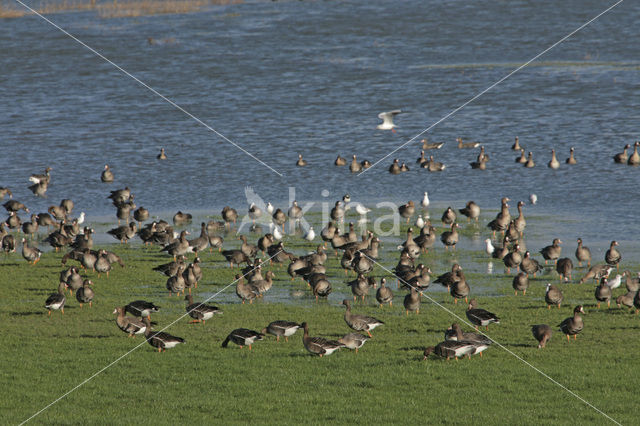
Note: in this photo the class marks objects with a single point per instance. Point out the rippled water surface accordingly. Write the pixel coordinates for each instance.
(282, 78)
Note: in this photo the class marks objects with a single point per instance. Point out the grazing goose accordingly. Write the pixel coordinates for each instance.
(449, 216)
(15, 206)
(471, 211)
(340, 161)
(353, 340)
(450, 238)
(596, 272)
(573, 325)
(564, 268)
(513, 259)
(454, 333)
(433, 165)
(503, 218)
(459, 289)
(622, 157)
(160, 339)
(360, 322)
(613, 256)
(301, 162)
(552, 252)
(480, 317)
(162, 155)
(387, 120)
(522, 158)
(603, 293)
(521, 283)
(46, 177)
(542, 333)
(281, 328)
(530, 163)
(572, 158)
(626, 299)
(355, 166)
(31, 254)
(200, 312)
(318, 345)
(242, 337)
(124, 233)
(141, 308)
(462, 145)
(85, 293)
(141, 214)
(583, 254)
(516, 145)
(431, 145)
(530, 265)
(553, 163)
(412, 301)
(394, 169)
(106, 175)
(129, 325)
(407, 210)
(450, 349)
(553, 296)
(56, 300)
(384, 294)
(634, 159)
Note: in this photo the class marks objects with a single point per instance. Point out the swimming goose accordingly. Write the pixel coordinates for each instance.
(124, 233)
(355, 166)
(450, 349)
(479, 165)
(554, 163)
(516, 145)
(450, 238)
(459, 289)
(365, 164)
(521, 159)
(353, 340)
(384, 294)
(503, 218)
(141, 308)
(467, 144)
(471, 211)
(552, 252)
(281, 328)
(407, 210)
(387, 120)
(340, 161)
(394, 169)
(553, 296)
(56, 300)
(200, 311)
(622, 157)
(571, 159)
(529, 265)
(530, 163)
(162, 155)
(603, 292)
(85, 293)
(242, 337)
(613, 256)
(433, 166)
(449, 216)
(160, 339)
(421, 159)
(634, 159)
(31, 254)
(129, 325)
(542, 333)
(4, 192)
(521, 283)
(15, 206)
(583, 254)
(39, 189)
(564, 267)
(46, 177)
(412, 301)
(573, 325)
(431, 145)
(106, 175)
(318, 345)
(479, 316)
(360, 322)
(301, 162)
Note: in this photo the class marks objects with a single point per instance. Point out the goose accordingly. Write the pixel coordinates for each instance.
(431, 145)
(229, 215)
(85, 293)
(30, 254)
(141, 214)
(450, 349)
(192, 274)
(337, 212)
(200, 312)
(471, 211)
(572, 158)
(617, 281)
(9, 244)
(459, 289)
(4, 192)
(529, 164)
(529, 265)
(129, 325)
(503, 218)
(583, 254)
(281, 328)
(462, 145)
(360, 322)
(479, 165)
(449, 216)
(56, 300)
(46, 177)
(521, 283)
(433, 166)
(421, 159)
(634, 159)
(522, 158)
(613, 256)
(596, 272)
(603, 292)
(141, 308)
(318, 345)
(176, 284)
(179, 247)
(366, 164)
(552, 252)
(162, 155)
(387, 120)
(553, 296)
(249, 250)
(180, 218)
(319, 257)
(119, 196)
(421, 279)
(242, 337)
(107, 175)
(407, 210)
(362, 264)
(279, 218)
(266, 241)
(278, 254)
(542, 333)
(384, 294)
(513, 259)
(533, 199)
(353, 341)
(449, 278)
(320, 285)
(124, 233)
(394, 169)
(632, 284)
(404, 167)
(295, 212)
(636, 302)
(425, 200)
(516, 145)
(102, 264)
(554, 163)
(171, 268)
(454, 333)
(622, 157)
(573, 325)
(355, 166)
(564, 267)
(160, 339)
(45, 219)
(411, 246)
(245, 291)
(360, 287)
(340, 161)
(262, 286)
(15, 206)
(74, 280)
(450, 238)
(427, 238)
(520, 222)
(480, 317)
(412, 301)
(200, 243)
(626, 299)
(301, 162)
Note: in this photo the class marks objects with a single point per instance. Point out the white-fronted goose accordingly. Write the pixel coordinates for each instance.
(552, 252)
(31, 254)
(340, 161)
(384, 294)
(200, 312)
(427, 238)
(262, 286)
(4, 192)
(573, 325)
(337, 214)
(450, 238)
(265, 242)
(454, 333)
(162, 155)
(521, 283)
(171, 268)
(200, 243)
(182, 218)
(141, 214)
(626, 299)
(622, 157)
(30, 228)
(365, 164)
(449, 216)
(530, 265)
(553, 296)
(295, 212)
(421, 159)
(281, 328)
(503, 218)
(542, 333)
(119, 196)
(407, 210)
(74, 280)
(355, 166)
(192, 274)
(45, 219)
(279, 218)
(522, 158)
(462, 145)
(613, 256)
(583, 254)
(46, 177)
(412, 302)
(179, 247)
(513, 259)
(318, 345)
(634, 159)
(360, 322)
(479, 165)
(9, 244)
(176, 284)
(129, 325)
(603, 292)
(320, 285)
(564, 267)
(124, 233)
(459, 289)
(360, 287)
(102, 265)
(56, 300)
(450, 349)
(572, 158)
(353, 341)
(632, 284)
(85, 293)
(433, 165)
(431, 145)
(301, 162)
(520, 222)
(471, 211)
(530, 163)
(553, 163)
(107, 175)
(636, 302)
(141, 308)
(15, 206)
(160, 339)
(449, 278)
(245, 291)
(516, 145)
(404, 167)
(229, 215)
(394, 169)
(480, 317)
(242, 337)
(596, 272)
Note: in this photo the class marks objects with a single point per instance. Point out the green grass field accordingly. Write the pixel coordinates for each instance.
(386, 382)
